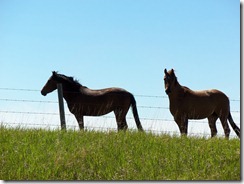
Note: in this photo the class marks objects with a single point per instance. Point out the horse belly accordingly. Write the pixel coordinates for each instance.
(96, 110)
(199, 112)
(197, 116)
(90, 109)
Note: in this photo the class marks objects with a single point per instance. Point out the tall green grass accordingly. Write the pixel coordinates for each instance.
(88, 155)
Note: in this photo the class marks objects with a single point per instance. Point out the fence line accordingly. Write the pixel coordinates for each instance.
(104, 117)
(43, 101)
(139, 95)
(106, 129)
(102, 128)
(19, 89)
(32, 101)
(97, 127)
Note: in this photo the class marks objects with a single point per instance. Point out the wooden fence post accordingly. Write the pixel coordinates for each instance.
(61, 106)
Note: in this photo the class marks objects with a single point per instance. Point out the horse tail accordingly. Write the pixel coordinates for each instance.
(234, 126)
(135, 113)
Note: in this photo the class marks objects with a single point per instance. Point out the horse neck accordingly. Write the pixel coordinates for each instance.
(70, 91)
(177, 92)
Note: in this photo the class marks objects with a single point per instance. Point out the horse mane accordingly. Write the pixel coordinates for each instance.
(67, 79)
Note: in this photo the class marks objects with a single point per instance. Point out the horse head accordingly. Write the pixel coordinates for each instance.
(169, 80)
(51, 84)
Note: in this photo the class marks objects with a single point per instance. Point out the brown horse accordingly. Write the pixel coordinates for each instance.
(83, 101)
(188, 104)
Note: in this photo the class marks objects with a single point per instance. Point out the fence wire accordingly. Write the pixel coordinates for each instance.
(138, 95)
(162, 121)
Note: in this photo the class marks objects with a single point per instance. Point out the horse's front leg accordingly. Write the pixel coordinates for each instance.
(80, 121)
(182, 124)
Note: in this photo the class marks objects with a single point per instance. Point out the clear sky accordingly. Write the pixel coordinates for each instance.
(122, 43)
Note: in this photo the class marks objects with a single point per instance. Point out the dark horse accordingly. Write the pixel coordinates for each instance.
(83, 101)
(188, 104)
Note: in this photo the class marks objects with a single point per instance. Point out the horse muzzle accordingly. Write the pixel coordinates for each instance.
(43, 93)
(167, 91)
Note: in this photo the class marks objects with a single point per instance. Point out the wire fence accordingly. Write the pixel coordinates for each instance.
(44, 114)
(138, 95)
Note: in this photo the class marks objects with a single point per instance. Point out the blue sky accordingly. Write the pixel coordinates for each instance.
(122, 43)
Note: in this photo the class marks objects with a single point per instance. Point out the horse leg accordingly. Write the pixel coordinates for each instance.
(225, 125)
(123, 125)
(80, 121)
(183, 125)
(212, 124)
(120, 119)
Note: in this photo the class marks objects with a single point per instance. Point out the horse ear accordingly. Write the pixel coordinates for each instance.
(165, 71)
(54, 76)
(54, 73)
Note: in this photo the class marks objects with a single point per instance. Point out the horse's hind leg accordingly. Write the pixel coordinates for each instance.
(122, 125)
(120, 119)
(212, 124)
(225, 125)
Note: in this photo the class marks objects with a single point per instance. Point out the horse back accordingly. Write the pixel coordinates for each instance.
(211, 97)
(105, 92)
(199, 104)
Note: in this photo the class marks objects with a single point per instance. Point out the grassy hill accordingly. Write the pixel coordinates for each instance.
(88, 155)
